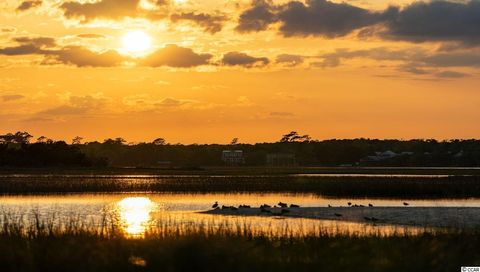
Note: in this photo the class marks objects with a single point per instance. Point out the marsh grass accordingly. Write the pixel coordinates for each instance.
(378, 187)
(43, 246)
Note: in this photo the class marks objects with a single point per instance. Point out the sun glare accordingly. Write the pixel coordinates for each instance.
(136, 42)
(135, 214)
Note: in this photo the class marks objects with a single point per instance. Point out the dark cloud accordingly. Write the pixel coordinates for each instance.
(316, 17)
(290, 60)
(242, 59)
(36, 41)
(104, 9)
(176, 56)
(414, 68)
(91, 36)
(70, 55)
(83, 57)
(324, 18)
(12, 97)
(28, 46)
(437, 21)
(27, 49)
(26, 5)
(412, 60)
(211, 23)
(455, 59)
(257, 18)
(451, 74)
(469, 58)
(380, 53)
(440, 20)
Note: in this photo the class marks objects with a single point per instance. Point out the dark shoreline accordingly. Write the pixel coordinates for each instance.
(246, 170)
(225, 180)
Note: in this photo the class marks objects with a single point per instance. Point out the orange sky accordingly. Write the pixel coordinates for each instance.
(215, 70)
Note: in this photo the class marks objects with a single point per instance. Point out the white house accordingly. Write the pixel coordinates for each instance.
(233, 157)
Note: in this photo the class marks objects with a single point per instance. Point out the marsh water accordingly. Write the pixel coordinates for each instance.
(137, 213)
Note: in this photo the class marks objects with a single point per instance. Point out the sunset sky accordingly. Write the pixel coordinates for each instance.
(206, 71)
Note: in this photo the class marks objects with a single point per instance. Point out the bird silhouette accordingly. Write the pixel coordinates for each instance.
(215, 205)
(370, 205)
(349, 203)
(294, 206)
(283, 205)
(405, 204)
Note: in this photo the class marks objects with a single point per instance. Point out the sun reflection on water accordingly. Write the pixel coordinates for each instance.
(135, 215)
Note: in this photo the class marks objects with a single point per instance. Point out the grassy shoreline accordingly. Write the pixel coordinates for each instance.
(78, 249)
(345, 186)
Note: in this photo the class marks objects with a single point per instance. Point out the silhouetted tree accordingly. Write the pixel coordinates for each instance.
(293, 136)
(18, 138)
(43, 153)
(159, 141)
(77, 140)
(116, 141)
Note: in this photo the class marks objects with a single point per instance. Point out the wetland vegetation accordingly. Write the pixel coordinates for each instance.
(333, 186)
(40, 247)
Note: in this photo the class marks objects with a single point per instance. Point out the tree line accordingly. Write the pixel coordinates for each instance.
(18, 149)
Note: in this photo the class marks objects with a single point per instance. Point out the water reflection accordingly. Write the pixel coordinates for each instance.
(134, 213)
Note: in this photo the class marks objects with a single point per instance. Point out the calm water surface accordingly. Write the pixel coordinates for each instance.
(139, 212)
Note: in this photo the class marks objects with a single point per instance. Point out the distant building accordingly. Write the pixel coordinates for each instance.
(233, 157)
(281, 159)
(380, 156)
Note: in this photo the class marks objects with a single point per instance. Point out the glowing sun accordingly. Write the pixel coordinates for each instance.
(136, 42)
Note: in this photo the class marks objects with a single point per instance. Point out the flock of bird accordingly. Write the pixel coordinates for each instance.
(373, 219)
(265, 208)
